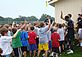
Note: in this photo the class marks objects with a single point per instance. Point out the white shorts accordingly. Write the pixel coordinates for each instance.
(79, 31)
(81, 44)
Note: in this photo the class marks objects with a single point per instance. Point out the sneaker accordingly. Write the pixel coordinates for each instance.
(56, 55)
(43, 55)
(52, 54)
(71, 51)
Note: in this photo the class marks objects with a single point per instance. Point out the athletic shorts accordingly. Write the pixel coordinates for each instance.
(79, 31)
(33, 47)
(55, 49)
(24, 48)
(61, 43)
(50, 44)
(43, 46)
(81, 44)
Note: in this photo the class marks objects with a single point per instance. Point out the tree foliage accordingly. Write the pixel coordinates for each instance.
(9, 20)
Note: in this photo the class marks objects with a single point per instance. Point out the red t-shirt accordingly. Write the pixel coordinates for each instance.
(55, 39)
(32, 37)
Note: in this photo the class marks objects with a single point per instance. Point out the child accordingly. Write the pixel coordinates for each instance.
(16, 42)
(32, 41)
(5, 41)
(55, 42)
(61, 32)
(24, 41)
(43, 40)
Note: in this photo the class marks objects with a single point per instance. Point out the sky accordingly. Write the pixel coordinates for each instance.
(14, 8)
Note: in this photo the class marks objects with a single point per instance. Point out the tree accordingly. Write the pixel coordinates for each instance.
(43, 17)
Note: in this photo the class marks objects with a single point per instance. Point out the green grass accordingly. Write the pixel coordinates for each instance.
(77, 53)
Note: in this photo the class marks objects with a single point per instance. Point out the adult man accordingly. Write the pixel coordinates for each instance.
(70, 31)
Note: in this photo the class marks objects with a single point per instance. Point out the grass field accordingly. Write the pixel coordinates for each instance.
(77, 53)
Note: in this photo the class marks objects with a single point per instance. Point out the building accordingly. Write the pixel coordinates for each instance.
(73, 7)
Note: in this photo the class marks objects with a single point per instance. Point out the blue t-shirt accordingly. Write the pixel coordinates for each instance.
(24, 37)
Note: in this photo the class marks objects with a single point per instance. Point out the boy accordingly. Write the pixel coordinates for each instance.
(32, 41)
(55, 42)
(24, 41)
(5, 41)
(43, 40)
(61, 32)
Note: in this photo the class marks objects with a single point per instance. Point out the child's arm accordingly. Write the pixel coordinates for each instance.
(16, 33)
(18, 30)
(13, 24)
(49, 24)
(62, 15)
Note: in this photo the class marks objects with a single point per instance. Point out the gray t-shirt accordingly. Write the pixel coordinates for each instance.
(43, 35)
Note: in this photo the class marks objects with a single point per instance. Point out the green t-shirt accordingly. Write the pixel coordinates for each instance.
(16, 42)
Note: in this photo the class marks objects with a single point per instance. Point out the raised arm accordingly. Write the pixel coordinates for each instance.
(49, 24)
(18, 30)
(16, 33)
(62, 15)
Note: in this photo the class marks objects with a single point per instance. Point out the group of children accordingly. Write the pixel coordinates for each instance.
(44, 36)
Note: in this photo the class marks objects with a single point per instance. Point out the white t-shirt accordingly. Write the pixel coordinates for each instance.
(43, 38)
(61, 32)
(5, 44)
(36, 29)
(49, 35)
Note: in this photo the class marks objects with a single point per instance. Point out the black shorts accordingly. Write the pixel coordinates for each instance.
(24, 48)
(61, 43)
(55, 49)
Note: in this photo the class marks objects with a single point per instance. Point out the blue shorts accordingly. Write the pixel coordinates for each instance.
(33, 47)
(50, 44)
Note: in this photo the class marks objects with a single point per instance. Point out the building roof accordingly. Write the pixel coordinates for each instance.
(51, 2)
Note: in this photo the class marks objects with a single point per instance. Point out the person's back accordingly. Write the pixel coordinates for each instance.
(43, 35)
(16, 42)
(5, 44)
(32, 37)
(55, 39)
(32, 41)
(61, 32)
(24, 36)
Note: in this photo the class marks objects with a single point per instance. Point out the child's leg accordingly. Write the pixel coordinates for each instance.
(46, 48)
(34, 53)
(25, 52)
(50, 46)
(39, 52)
(46, 52)
(16, 52)
(60, 49)
(30, 53)
(63, 47)
(40, 47)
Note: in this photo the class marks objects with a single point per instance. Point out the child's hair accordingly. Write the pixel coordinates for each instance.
(67, 18)
(14, 30)
(1, 50)
(32, 28)
(3, 30)
(6, 25)
(60, 26)
(41, 24)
